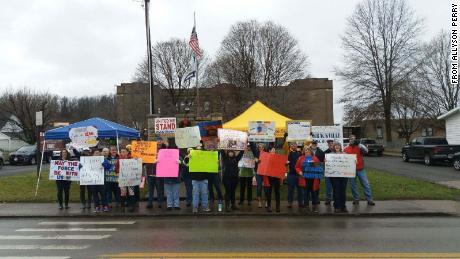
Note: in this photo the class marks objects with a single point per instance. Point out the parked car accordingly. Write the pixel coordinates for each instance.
(456, 161)
(2, 160)
(429, 149)
(372, 146)
(26, 155)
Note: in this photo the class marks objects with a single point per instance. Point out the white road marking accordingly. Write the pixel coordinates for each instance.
(74, 223)
(43, 247)
(34, 257)
(65, 229)
(68, 237)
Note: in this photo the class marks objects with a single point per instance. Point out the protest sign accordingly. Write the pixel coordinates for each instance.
(188, 137)
(298, 130)
(247, 162)
(261, 131)
(211, 143)
(272, 165)
(130, 172)
(324, 133)
(340, 165)
(167, 163)
(64, 170)
(91, 170)
(82, 137)
(145, 150)
(165, 126)
(232, 139)
(208, 129)
(311, 169)
(204, 161)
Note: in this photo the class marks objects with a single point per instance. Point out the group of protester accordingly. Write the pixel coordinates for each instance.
(200, 186)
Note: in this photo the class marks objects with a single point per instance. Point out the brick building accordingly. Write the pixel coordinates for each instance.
(310, 98)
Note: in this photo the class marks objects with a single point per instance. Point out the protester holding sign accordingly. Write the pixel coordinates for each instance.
(126, 192)
(256, 151)
(270, 183)
(309, 167)
(200, 187)
(187, 178)
(86, 194)
(293, 178)
(246, 166)
(330, 149)
(111, 178)
(230, 177)
(339, 185)
(168, 166)
(63, 186)
(153, 181)
(92, 172)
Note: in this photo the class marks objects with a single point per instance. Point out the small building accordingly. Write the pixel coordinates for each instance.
(452, 119)
(9, 142)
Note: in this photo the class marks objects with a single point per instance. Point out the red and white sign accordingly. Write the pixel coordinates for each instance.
(165, 125)
(83, 137)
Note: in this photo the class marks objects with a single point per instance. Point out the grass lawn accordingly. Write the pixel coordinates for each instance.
(385, 186)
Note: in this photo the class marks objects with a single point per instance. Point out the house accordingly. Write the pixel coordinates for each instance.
(452, 119)
(10, 142)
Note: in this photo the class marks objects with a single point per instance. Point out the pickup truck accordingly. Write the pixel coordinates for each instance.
(457, 161)
(372, 146)
(429, 149)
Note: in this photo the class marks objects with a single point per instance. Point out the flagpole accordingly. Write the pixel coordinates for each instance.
(149, 56)
(196, 78)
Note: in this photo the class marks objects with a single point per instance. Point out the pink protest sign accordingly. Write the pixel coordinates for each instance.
(167, 163)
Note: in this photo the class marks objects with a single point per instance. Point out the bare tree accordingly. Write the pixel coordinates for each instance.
(22, 104)
(442, 96)
(380, 46)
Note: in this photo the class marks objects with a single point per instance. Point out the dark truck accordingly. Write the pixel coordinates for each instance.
(429, 149)
(372, 146)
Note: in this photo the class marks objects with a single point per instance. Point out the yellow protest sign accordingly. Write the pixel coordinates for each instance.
(146, 150)
(204, 161)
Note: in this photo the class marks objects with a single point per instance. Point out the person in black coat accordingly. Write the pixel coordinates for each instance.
(230, 176)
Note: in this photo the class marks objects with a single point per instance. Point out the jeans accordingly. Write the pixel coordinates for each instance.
(361, 175)
(293, 183)
(172, 194)
(259, 180)
(158, 183)
(86, 194)
(274, 184)
(245, 187)
(214, 181)
(200, 193)
(230, 184)
(98, 195)
(63, 187)
(310, 193)
(339, 185)
(328, 189)
(188, 188)
(112, 188)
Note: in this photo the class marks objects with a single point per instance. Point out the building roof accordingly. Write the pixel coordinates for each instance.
(449, 113)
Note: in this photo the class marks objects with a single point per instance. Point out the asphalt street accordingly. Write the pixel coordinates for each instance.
(9, 170)
(439, 173)
(89, 238)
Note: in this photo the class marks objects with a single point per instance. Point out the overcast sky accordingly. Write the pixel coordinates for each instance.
(86, 47)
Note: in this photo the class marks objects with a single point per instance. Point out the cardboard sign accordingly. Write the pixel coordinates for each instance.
(211, 144)
(91, 170)
(64, 170)
(130, 172)
(340, 165)
(312, 170)
(261, 131)
(204, 161)
(83, 137)
(247, 162)
(323, 133)
(272, 165)
(167, 163)
(298, 130)
(165, 126)
(188, 137)
(232, 139)
(209, 129)
(145, 150)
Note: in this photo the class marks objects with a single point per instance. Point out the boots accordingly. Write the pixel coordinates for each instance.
(122, 203)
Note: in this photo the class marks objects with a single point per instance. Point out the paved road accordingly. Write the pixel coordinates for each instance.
(87, 239)
(439, 173)
(9, 170)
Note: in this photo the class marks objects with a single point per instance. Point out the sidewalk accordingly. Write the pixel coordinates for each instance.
(382, 209)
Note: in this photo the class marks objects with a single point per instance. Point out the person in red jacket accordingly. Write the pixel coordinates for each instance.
(312, 184)
(359, 149)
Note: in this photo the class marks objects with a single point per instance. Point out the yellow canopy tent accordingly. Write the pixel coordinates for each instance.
(258, 112)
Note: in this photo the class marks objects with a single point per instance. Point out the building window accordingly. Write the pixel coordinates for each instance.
(427, 132)
(379, 132)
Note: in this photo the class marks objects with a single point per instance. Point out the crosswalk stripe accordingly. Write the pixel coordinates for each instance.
(68, 237)
(43, 247)
(73, 223)
(34, 257)
(66, 229)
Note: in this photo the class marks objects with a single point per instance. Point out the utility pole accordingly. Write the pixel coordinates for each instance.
(149, 55)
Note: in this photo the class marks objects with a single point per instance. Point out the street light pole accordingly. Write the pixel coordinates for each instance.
(149, 55)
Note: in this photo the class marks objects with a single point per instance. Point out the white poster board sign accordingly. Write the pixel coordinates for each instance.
(232, 139)
(323, 133)
(91, 170)
(340, 165)
(64, 170)
(165, 125)
(247, 162)
(261, 131)
(188, 137)
(130, 172)
(82, 137)
(298, 130)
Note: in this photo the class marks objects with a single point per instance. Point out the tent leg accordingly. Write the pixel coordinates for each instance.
(118, 145)
(40, 170)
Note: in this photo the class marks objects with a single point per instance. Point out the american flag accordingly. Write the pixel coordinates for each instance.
(194, 44)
